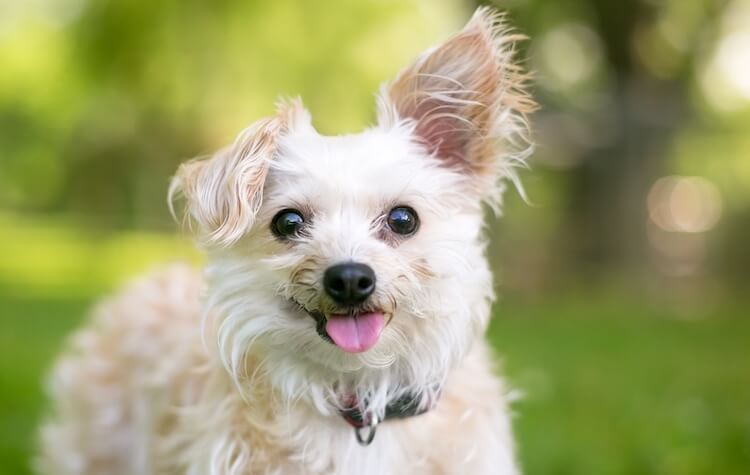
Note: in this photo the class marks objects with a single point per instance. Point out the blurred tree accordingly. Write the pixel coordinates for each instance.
(100, 99)
(614, 88)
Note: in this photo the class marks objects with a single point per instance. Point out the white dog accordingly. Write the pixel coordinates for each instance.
(338, 327)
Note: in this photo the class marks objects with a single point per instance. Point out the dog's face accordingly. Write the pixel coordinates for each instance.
(362, 255)
(369, 238)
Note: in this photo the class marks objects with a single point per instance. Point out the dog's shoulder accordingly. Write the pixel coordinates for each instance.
(140, 352)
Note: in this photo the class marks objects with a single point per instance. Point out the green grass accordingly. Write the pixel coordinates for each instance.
(31, 332)
(610, 387)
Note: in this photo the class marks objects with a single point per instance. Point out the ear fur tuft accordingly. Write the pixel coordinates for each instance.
(223, 193)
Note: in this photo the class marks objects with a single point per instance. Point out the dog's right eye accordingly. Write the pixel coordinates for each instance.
(287, 223)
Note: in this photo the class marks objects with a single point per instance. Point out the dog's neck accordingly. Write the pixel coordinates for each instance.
(361, 401)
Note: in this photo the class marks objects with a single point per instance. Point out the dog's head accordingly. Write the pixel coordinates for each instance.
(351, 254)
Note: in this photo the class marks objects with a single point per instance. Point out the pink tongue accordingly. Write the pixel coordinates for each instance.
(355, 334)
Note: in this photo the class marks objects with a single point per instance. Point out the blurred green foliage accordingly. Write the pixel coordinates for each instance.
(100, 100)
(639, 191)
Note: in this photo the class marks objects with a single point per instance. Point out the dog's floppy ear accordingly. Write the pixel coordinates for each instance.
(223, 192)
(466, 102)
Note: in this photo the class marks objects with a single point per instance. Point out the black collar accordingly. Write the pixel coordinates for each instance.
(406, 405)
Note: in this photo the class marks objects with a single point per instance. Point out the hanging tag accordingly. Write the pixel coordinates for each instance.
(366, 434)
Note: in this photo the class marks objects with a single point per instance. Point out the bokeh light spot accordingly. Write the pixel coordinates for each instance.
(568, 55)
(684, 204)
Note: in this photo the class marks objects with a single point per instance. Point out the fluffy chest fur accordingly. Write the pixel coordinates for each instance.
(221, 430)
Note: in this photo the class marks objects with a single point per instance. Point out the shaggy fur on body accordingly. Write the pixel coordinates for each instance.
(226, 372)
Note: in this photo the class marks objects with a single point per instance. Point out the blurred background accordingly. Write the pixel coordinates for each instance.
(624, 309)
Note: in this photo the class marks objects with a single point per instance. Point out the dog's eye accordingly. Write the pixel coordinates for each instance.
(403, 220)
(287, 223)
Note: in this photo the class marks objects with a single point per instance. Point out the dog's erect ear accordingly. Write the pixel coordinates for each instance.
(223, 192)
(466, 101)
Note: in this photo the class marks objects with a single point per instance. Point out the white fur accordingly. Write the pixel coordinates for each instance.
(253, 388)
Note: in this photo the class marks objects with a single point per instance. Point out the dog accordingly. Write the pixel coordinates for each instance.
(338, 326)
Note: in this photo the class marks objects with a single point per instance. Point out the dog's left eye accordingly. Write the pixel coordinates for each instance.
(287, 223)
(403, 220)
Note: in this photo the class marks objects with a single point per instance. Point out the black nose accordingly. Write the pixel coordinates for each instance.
(349, 283)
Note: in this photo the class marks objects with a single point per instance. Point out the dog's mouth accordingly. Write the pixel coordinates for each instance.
(354, 332)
